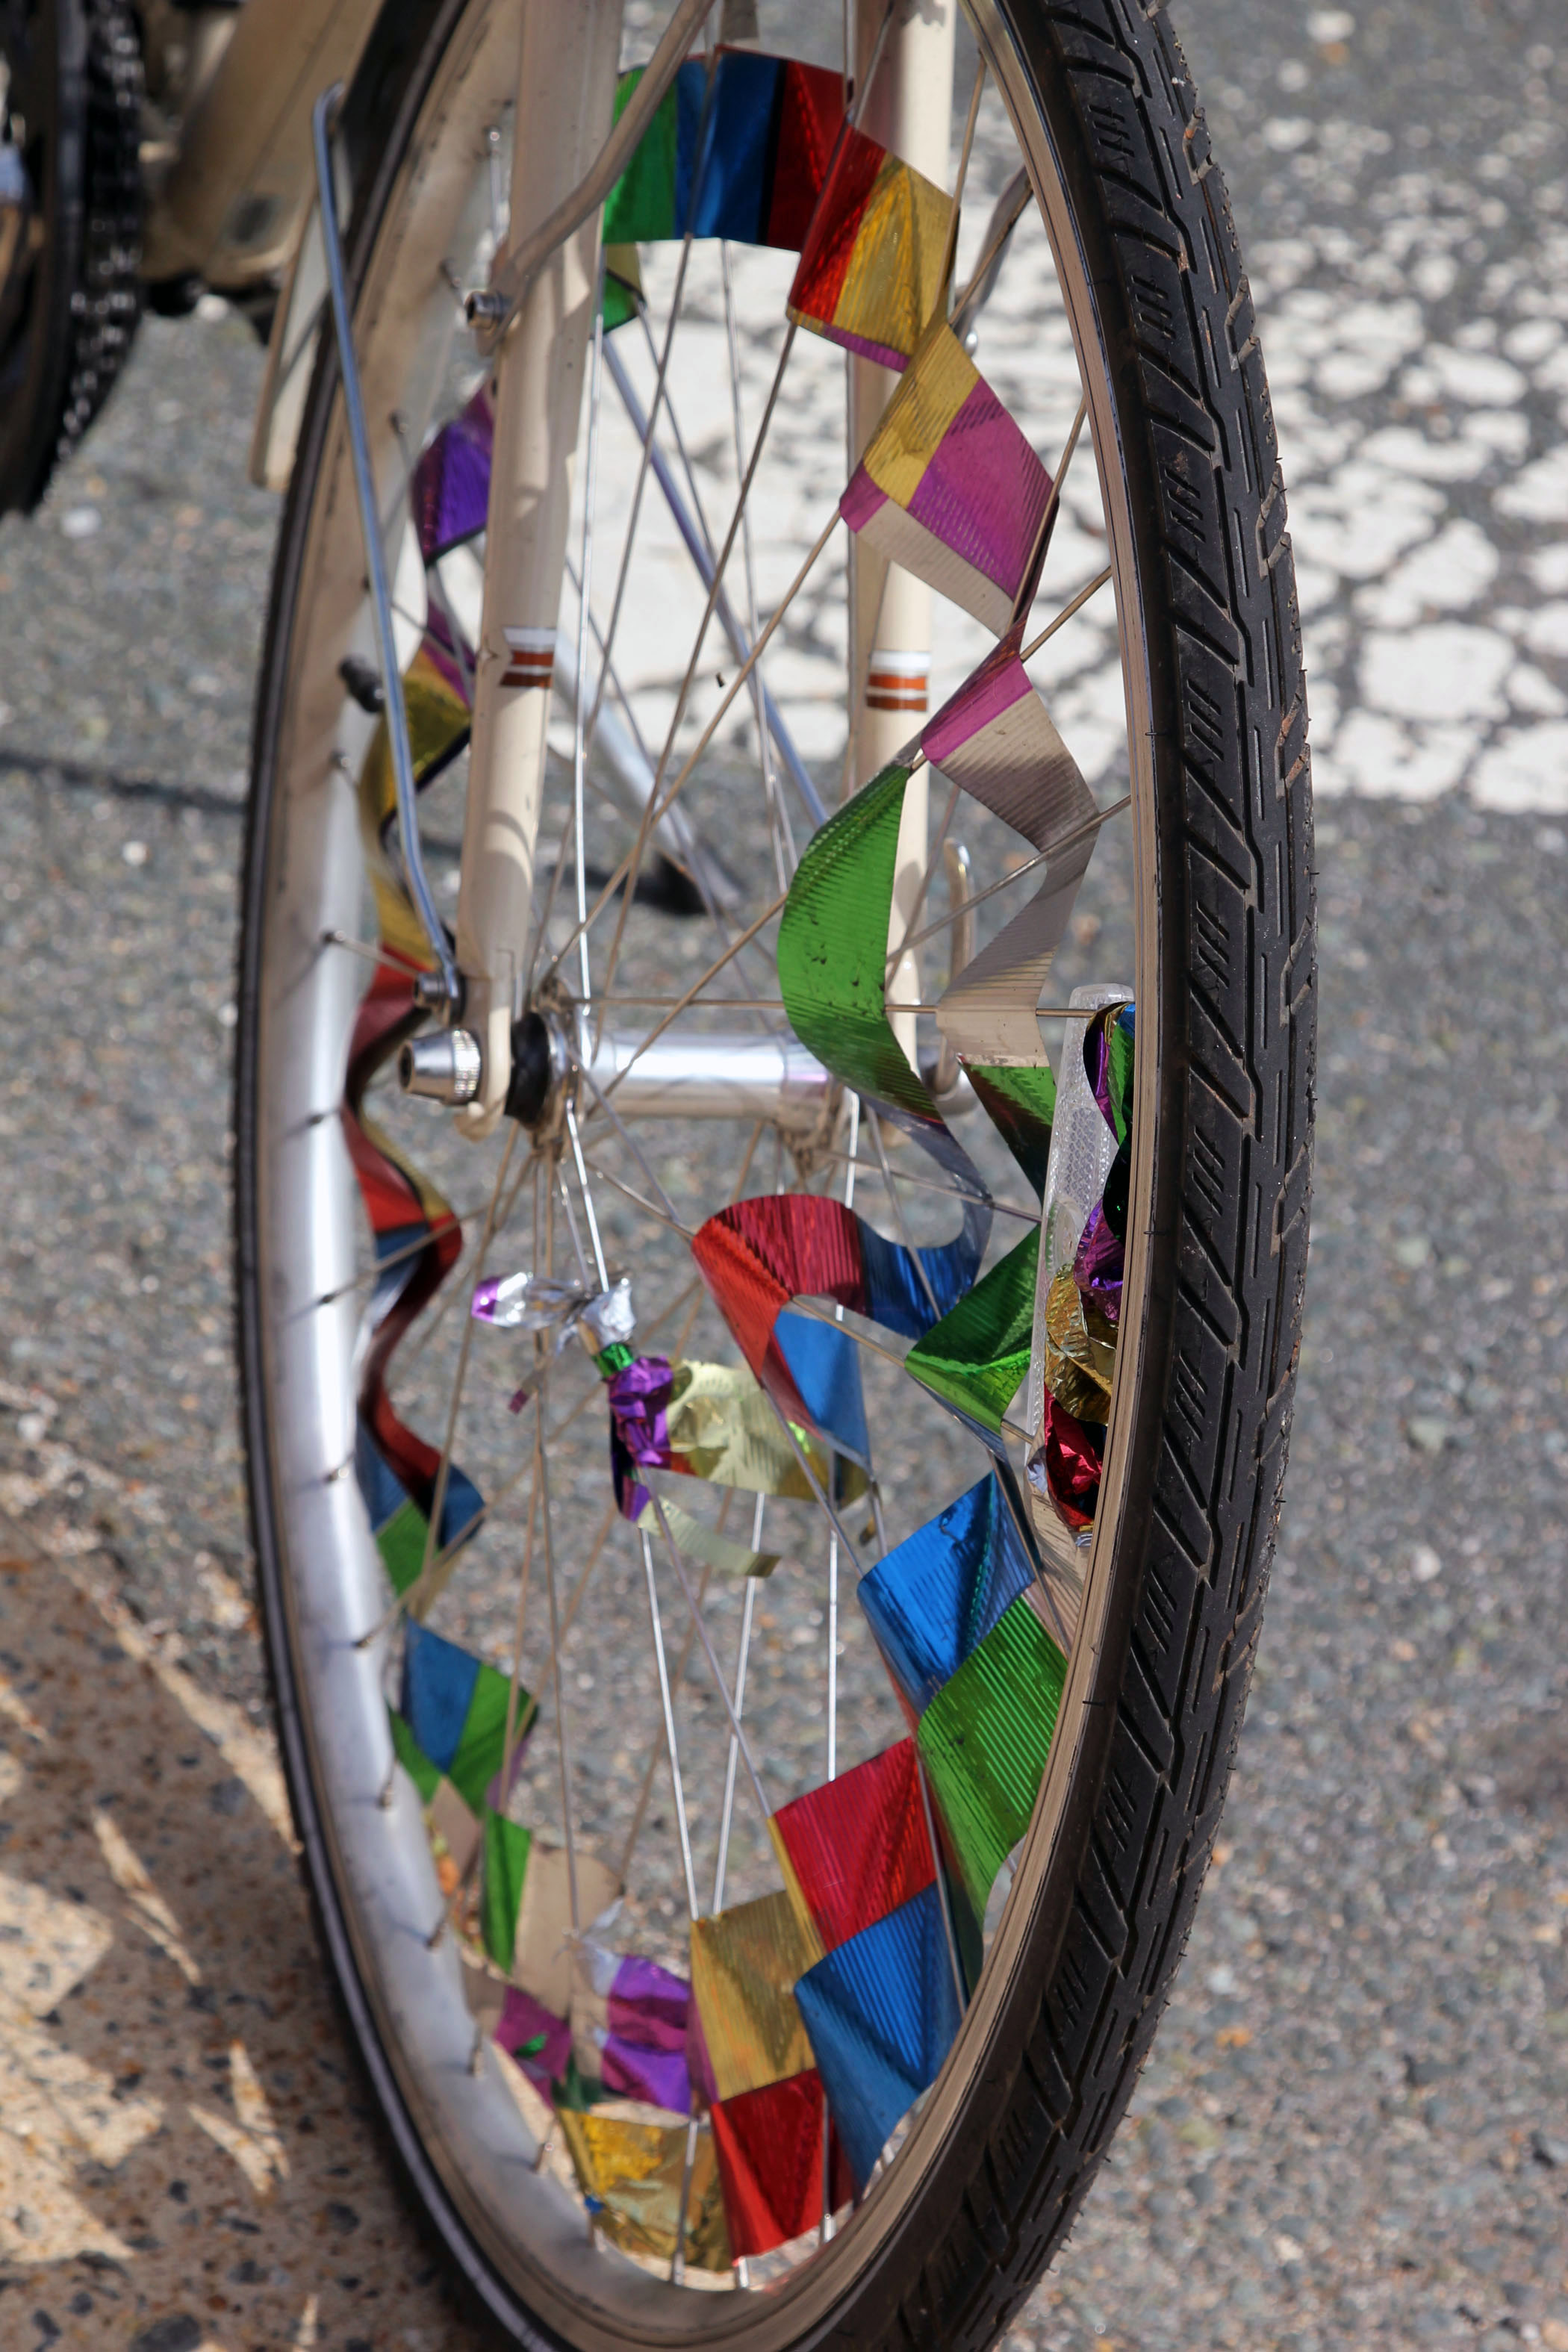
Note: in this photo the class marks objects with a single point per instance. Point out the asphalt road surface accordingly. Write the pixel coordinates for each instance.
(1354, 2127)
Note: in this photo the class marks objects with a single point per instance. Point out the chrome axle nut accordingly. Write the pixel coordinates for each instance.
(444, 1066)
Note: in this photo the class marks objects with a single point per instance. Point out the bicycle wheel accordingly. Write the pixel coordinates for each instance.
(756, 1862)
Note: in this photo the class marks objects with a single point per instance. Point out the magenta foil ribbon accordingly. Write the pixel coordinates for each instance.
(524, 2020)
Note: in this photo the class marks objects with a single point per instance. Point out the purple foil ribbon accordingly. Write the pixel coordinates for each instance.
(1097, 1066)
(632, 2071)
(1100, 1264)
(642, 2047)
(453, 659)
(640, 1432)
(452, 487)
(649, 2005)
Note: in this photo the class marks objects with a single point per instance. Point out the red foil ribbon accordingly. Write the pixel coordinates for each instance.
(857, 1845)
(769, 2144)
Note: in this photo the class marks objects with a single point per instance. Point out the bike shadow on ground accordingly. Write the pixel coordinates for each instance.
(187, 2161)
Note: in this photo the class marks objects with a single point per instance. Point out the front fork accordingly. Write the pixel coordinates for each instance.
(566, 87)
(566, 102)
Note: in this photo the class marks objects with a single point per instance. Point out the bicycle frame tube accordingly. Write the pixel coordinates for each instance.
(908, 109)
(231, 207)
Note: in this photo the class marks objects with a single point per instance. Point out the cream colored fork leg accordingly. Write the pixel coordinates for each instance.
(566, 87)
(908, 109)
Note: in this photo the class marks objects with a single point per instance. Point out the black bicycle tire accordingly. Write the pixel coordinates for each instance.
(85, 303)
(1231, 1174)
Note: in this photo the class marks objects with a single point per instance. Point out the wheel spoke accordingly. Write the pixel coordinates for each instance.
(778, 820)
(707, 1651)
(626, 871)
(541, 1481)
(1075, 605)
(696, 654)
(738, 1708)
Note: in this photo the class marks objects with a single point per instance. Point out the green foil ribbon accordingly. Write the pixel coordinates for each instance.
(976, 1357)
(833, 965)
(1121, 1049)
(833, 951)
(985, 1738)
(1021, 1104)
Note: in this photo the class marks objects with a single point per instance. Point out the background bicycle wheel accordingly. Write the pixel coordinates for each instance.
(1354, 2127)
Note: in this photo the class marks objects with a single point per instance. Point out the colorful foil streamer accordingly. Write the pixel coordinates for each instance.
(744, 1964)
(456, 1708)
(1080, 1350)
(856, 1847)
(948, 487)
(451, 487)
(761, 1253)
(1099, 1264)
(1078, 1292)
(631, 2165)
(629, 2021)
(882, 2011)
(438, 732)
(1065, 1466)
(533, 2037)
(871, 274)
(526, 1908)
(1020, 1104)
(996, 741)
(985, 1738)
(831, 964)
(450, 1821)
(769, 2144)
(746, 161)
(418, 1238)
(934, 1597)
(417, 1241)
(703, 1421)
(976, 1358)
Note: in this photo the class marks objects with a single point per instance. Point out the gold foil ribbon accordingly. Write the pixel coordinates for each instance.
(1079, 1352)
(631, 2160)
(744, 1965)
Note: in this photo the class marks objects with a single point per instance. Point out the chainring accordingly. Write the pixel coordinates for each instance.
(71, 226)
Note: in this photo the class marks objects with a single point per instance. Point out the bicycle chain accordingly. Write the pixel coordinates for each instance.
(106, 302)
